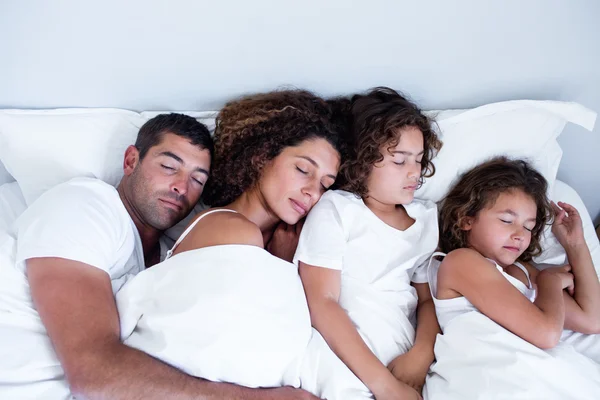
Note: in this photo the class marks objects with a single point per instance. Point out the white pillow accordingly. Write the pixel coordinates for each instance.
(41, 149)
(5, 177)
(520, 129)
(553, 252)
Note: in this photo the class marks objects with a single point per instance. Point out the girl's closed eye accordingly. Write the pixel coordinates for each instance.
(400, 162)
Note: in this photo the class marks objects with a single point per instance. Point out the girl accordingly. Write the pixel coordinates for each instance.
(220, 307)
(491, 222)
(362, 246)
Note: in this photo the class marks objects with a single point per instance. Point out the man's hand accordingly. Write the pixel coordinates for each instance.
(284, 241)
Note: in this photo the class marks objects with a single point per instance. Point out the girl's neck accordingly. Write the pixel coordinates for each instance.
(380, 208)
(252, 205)
(393, 215)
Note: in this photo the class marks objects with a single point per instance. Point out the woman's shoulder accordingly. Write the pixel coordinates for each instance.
(222, 228)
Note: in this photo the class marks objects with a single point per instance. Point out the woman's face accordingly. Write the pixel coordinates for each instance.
(295, 180)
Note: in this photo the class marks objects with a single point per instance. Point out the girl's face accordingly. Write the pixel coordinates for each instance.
(502, 231)
(394, 180)
(297, 178)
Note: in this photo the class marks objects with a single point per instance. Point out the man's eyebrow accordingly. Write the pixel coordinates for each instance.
(172, 155)
(178, 159)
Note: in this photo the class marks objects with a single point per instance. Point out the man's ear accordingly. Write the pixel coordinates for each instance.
(130, 160)
(467, 223)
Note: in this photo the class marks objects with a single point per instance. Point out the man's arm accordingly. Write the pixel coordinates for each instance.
(76, 305)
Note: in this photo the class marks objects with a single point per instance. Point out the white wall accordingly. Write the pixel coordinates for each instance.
(190, 54)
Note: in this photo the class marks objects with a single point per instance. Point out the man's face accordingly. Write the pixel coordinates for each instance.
(168, 182)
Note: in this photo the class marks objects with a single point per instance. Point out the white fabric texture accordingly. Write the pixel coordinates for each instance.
(231, 313)
(478, 359)
(84, 220)
(12, 204)
(520, 129)
(377, 264)
(553, 253)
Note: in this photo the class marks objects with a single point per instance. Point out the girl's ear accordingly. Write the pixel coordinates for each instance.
(467, 223)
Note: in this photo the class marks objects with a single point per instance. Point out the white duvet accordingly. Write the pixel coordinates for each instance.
(479, 359)
(230, 313)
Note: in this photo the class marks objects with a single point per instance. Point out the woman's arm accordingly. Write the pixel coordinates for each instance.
(322, 287)
(476, 278)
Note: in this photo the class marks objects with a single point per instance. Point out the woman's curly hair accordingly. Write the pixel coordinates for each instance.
(480, 187)
(374, 122)
(253, 130)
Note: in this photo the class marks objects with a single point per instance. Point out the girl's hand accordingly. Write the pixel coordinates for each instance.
(567, 226)
(563, 273)
(410, 368)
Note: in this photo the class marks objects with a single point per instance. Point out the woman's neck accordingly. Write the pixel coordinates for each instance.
(252, 205)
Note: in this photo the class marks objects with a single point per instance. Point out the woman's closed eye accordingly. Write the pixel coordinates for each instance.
(302, 171)
(167, 167)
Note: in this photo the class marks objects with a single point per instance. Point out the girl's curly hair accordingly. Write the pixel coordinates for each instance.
(374, 122)
(480, 187)
(253, 130)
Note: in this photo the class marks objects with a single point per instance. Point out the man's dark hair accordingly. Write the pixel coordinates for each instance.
(182, 125)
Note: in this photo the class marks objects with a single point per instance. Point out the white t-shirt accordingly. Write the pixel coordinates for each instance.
(377, 264)
(82, 220)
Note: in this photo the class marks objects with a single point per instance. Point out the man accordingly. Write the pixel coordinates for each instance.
(77, 245)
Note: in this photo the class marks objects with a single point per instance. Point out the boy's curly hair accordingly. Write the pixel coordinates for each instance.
(374, 121)
(480, 187)
(253, 130)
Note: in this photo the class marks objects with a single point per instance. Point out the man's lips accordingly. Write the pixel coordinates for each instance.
(172, 204)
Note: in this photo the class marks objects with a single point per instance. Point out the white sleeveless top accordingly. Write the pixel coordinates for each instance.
(189, 229)
(448, 309)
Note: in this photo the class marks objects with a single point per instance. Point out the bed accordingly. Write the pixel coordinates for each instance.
(42, 148)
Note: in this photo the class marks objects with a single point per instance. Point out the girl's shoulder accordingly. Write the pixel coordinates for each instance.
(464, 261)
(341, 201)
